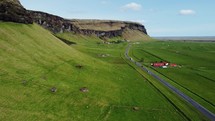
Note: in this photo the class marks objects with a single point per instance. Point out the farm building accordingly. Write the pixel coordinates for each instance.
(159, 64)
(163, 64)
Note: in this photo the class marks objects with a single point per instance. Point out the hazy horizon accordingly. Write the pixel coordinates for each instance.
(188, 38)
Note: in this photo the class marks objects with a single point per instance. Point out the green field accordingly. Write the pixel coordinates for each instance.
(196, 69)
(32, 61)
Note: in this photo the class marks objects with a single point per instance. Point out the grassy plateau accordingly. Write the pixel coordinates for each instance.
(33, 61)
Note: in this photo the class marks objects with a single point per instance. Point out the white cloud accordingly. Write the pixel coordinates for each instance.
(104, 2)
(132, 6)
(187, 12)
(139, 21)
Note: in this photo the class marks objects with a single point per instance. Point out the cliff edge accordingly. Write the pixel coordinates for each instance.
(13, 11)
(100, 28)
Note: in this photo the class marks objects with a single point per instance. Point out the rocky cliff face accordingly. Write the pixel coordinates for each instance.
(53, 23)
(106, 28)
(12, 10)
(101, 28)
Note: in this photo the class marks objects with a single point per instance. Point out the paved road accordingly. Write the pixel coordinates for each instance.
(199, 107)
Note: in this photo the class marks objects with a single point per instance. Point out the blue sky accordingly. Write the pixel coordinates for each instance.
(160, 17)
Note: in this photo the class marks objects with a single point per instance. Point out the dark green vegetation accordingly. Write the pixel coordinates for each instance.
(195, 73)
(41, 78)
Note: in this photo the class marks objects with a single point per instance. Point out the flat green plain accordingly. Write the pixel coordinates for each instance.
(196, 69)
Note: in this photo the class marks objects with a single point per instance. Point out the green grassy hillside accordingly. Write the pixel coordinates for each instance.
(134, 35)
(32, 61)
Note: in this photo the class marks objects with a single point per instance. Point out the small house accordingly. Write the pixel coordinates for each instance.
(159, 64)
(163, 64)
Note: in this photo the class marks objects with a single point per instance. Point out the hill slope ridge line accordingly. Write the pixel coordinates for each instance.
(100, 28)
(13, 11)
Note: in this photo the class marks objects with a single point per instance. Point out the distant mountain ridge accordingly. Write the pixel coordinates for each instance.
(12, 10)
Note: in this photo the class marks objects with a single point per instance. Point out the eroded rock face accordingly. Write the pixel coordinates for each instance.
(106, 28)
(12, 11)
(136, 26)
(100, 28)
(53, 23)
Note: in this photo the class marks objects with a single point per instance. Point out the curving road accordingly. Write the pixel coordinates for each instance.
(199, 107)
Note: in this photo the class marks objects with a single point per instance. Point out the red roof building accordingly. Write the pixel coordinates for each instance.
(163, 64)
(160, 64)
(173, 65)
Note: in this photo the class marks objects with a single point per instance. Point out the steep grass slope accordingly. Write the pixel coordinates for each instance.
(134, 35)
(32, 61)
(29, 47)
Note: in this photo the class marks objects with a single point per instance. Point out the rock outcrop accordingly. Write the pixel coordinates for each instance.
(53, 23)
(13, 11)
(106, 28)
(100, 28)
